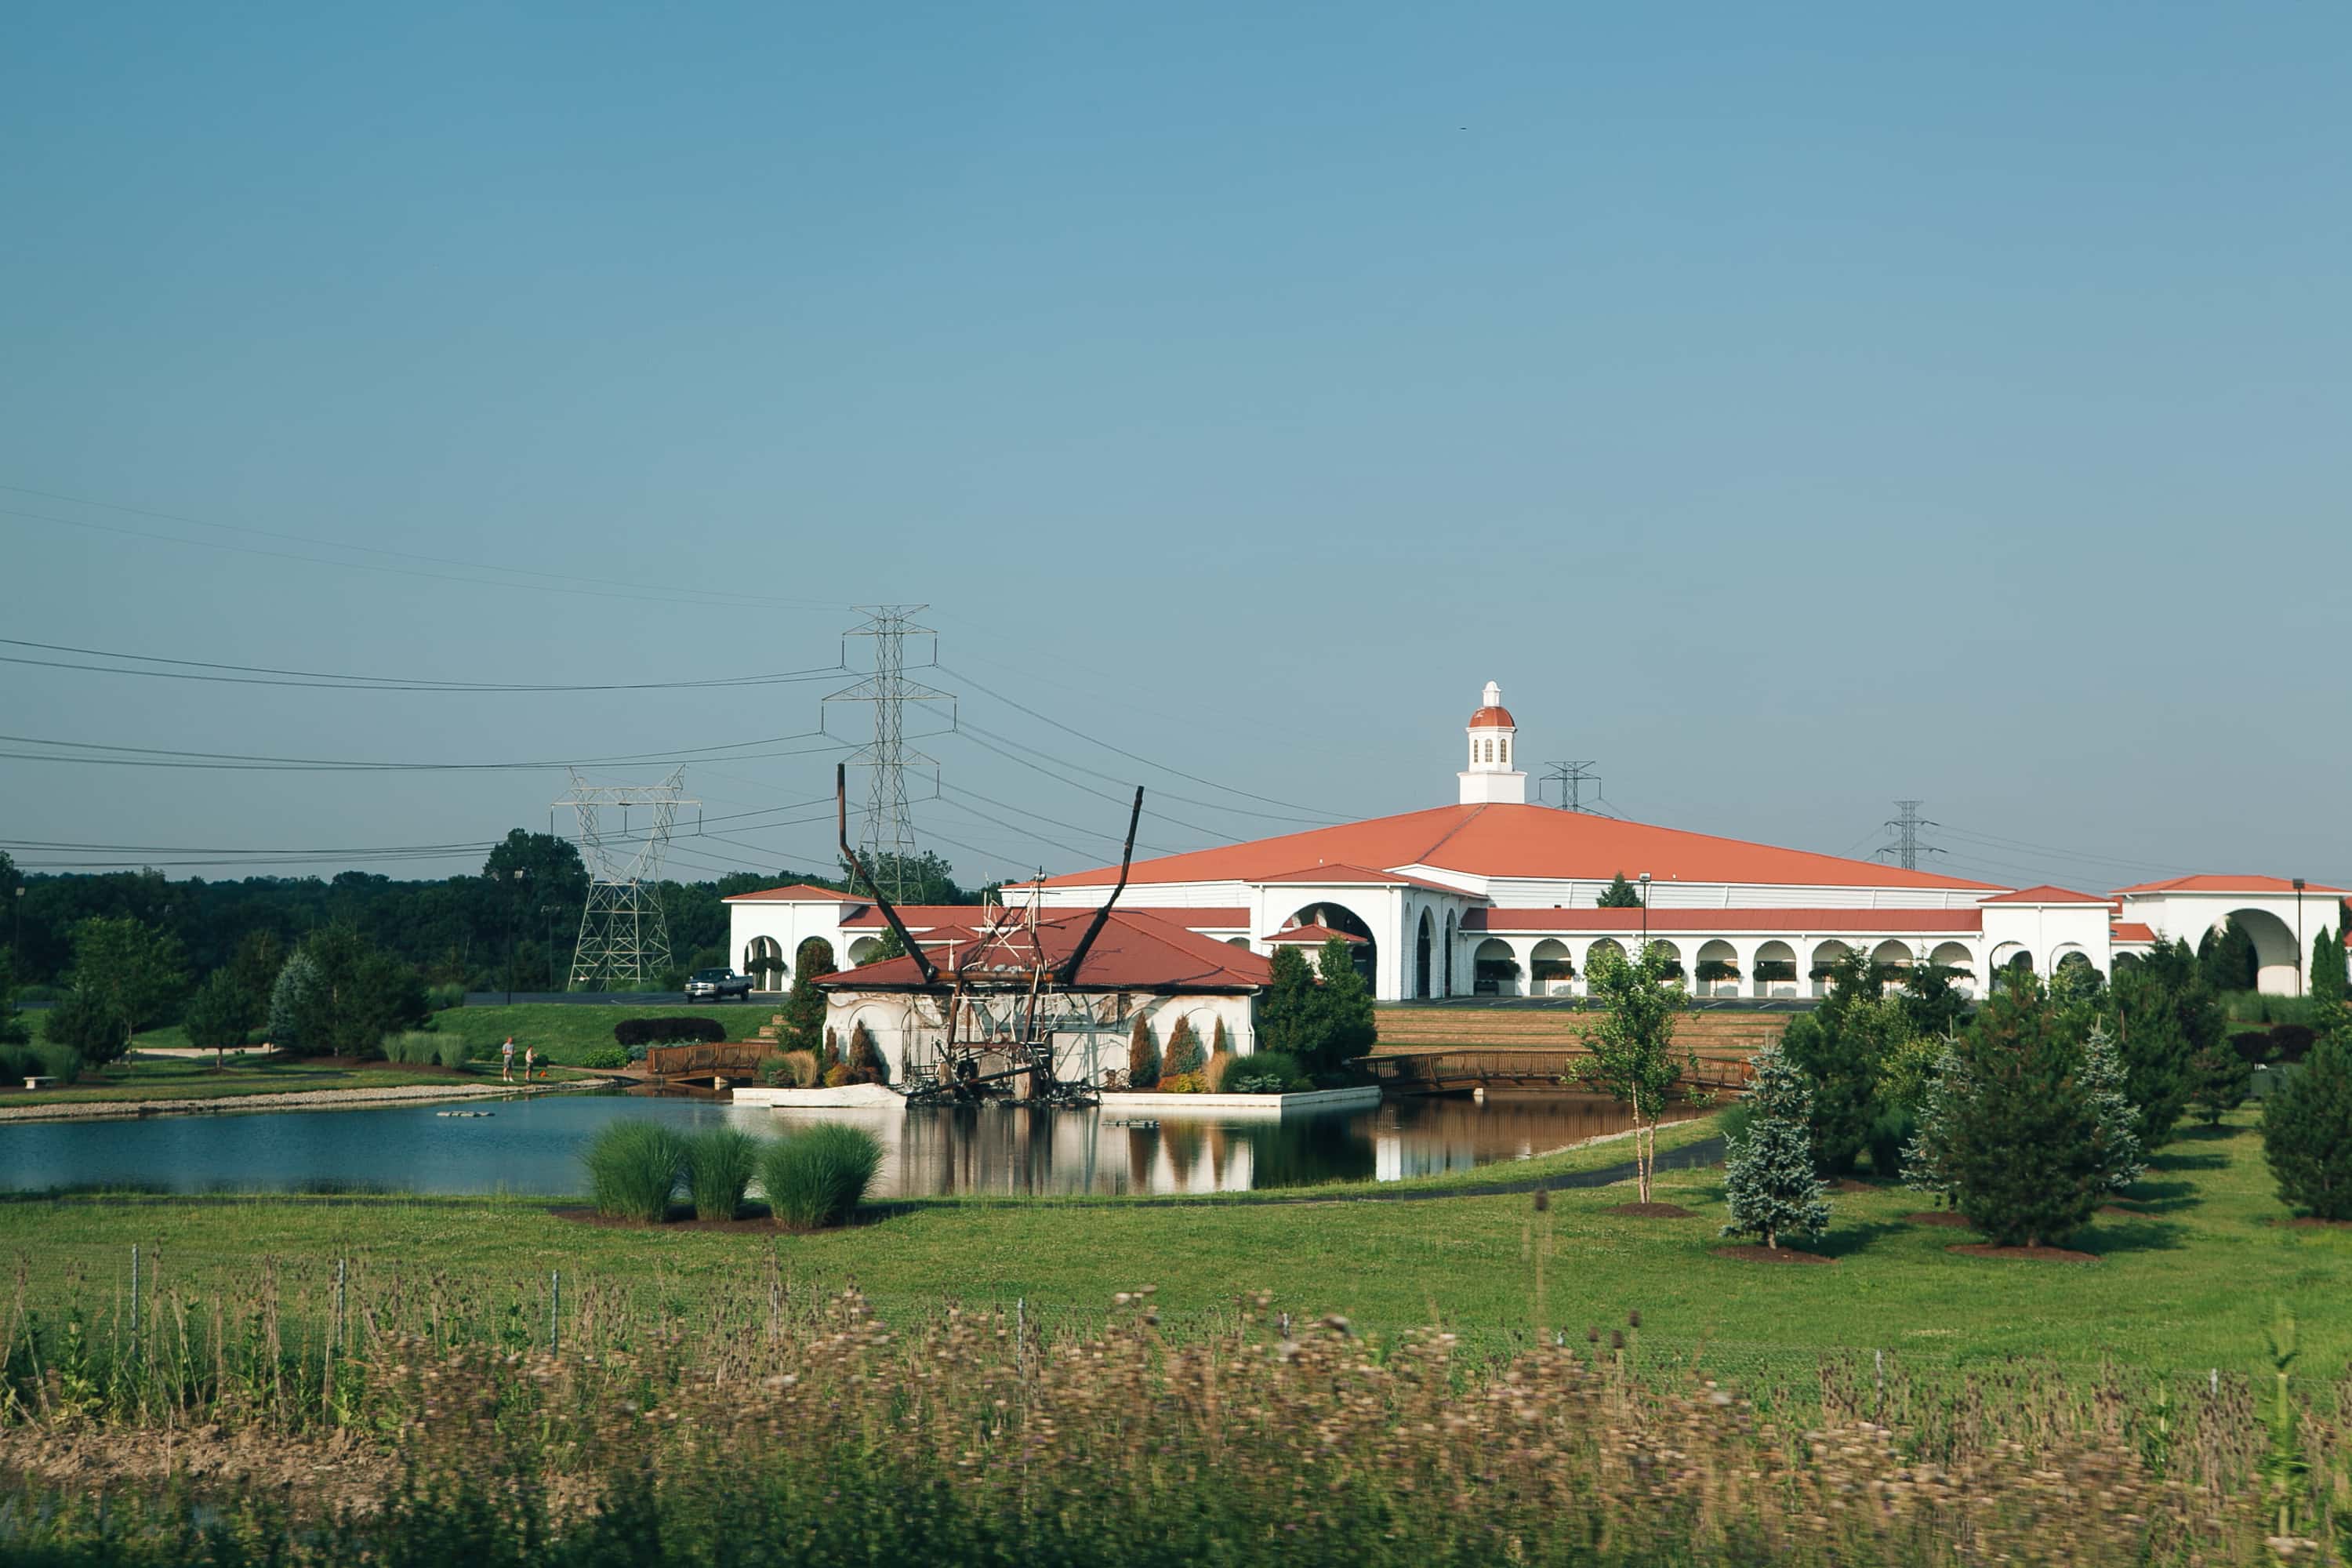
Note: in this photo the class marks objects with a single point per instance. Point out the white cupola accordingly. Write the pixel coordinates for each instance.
(1490, 779)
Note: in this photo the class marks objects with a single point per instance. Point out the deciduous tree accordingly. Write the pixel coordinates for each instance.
(217, 1016)
(131, 975)
(1633, 1059)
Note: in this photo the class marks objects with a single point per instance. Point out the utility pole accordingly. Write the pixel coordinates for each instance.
(1907, 848)
(887, 841)
(623, 934)
(1571, 778)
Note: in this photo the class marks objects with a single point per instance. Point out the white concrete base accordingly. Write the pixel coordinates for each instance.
(1253, 1107)
(849, 1096)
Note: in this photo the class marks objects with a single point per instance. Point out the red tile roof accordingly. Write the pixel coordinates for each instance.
(798, 893)
(2046, 894)
(1136, 952)
(1774, 921)
(1506, 840)
(1316, 935)
(1343, 875)
(2209, 883)
(922, 917)
(2130, 931)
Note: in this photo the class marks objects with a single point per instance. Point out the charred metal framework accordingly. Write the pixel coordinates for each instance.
(1009, 1022)
(624, 936)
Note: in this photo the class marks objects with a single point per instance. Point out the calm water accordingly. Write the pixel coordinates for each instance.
(533, 1145)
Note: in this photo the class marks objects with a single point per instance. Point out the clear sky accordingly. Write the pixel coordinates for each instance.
(1796, 408)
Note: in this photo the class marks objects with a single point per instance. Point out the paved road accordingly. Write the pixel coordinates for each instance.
(612, 998)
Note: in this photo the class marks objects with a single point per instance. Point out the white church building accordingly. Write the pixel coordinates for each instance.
(1493, 895)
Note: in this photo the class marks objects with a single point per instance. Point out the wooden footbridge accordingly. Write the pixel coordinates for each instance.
(1454, 1050)
(735, 1062)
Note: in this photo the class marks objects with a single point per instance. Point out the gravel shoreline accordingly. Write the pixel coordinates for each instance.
(304, 1099)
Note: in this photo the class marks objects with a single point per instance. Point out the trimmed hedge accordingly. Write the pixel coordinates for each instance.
(694, 1031)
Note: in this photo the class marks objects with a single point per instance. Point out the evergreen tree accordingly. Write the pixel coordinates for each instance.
(2103, 1080)
(1631, 1048)
(1142, 1056)
(1288, 1014)
(1184, 1056)
(12, 1030)
(1621, 894)
(1221, 1044)
(2328, 985)
(2220, 1080)
(804, 1009)
(2225, 955)
(1345, 1025)
(865, 1059)
(1841, 1048)
(1930, 1001)
(297, 1006)
(1928, 1158)
(2307, 1129)
(886, 945)
(2164, 1015)
(1767, 1171)
(363, 993)
(2022, 1146)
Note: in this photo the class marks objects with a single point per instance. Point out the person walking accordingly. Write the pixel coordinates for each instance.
(506, 1061)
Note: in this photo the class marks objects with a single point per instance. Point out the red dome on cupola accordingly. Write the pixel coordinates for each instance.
(1493, 715)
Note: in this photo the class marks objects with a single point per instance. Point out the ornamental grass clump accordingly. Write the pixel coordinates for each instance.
(817, 1178)
(412, 1047)
(633, 1169)
(719, 1164)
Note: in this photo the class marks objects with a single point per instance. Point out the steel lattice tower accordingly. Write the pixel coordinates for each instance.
(1572, 777)
(887, 840)
(623, 935)
(1906, 847)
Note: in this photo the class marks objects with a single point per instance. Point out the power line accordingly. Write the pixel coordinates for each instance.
(253, 675)
(1134, 757)
(166, 757)
(973, 734)
(637, 589)
(1906, 825)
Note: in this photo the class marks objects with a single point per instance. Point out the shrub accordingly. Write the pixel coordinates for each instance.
(2254, 1044)
(1142, 1056)
(633, 1169)
(800, 1069)
(1215, 1071)
(719, 1163)
(1184, 1055)
(1266, 1072)
(817, 1177)
(605, 1058)
(441, 998)
(1183, 1083)
(865, 1059)
(2307, 1129)
(413, 1048)
(2291, 1042)
(836, 1075)
(697, 1030)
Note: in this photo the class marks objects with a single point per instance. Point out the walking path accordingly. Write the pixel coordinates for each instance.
(295, 1100)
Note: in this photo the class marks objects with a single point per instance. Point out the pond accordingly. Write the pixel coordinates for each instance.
(531, 1145)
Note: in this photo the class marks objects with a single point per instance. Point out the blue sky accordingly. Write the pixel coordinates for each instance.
(1794, 409)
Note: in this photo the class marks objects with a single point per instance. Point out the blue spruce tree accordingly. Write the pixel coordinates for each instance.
(1768, 1172)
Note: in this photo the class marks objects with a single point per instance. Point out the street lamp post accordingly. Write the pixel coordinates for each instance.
(2299, 957)
(549, 912)
(1644, 880)
(514, 919)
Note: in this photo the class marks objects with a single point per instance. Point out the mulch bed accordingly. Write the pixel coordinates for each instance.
(2307, 1222)
(2117, 1211)
(2024, 1253)
(1940, 1216)
(1848, 1185)
(1754, 1254)
(1653, 1211)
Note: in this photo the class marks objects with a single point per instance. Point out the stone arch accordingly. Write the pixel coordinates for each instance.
(1340, 917)
(865, 950)
(1452, 940)
(1775, 969)
(1827, 956)
(1550, 967)
(1725, 980)
(1893, 955)
(1421, 942)
(1601, 945)
(1959, 964)
(817, 949)
(764, 961)
(1495, 968)
(1241, 941)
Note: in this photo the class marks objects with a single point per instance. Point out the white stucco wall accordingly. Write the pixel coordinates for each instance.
(898, 1021)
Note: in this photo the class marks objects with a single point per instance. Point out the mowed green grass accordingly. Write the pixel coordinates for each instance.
(562, 1031)
(2186, 1286)
(187, 1077)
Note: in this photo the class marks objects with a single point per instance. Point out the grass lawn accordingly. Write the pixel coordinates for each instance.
(563, 1031)
(2184, 1287)
(183, 1077)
